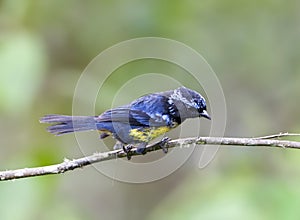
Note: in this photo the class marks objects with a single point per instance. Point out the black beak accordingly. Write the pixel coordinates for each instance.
(205, 115)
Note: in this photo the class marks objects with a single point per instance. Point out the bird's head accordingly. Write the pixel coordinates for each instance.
(193, 102)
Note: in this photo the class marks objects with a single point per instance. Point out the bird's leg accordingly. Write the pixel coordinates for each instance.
(127, 150)
(164, 144)
(141, 148)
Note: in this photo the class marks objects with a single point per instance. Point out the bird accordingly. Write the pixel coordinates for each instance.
(137, 123)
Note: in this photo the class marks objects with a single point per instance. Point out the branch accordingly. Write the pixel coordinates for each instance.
(68, 165)
(285, 134)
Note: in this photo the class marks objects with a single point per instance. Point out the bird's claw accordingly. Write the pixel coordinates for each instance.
(127, 150)
(164, 144)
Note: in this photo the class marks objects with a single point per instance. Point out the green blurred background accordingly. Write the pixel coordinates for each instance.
(254, 48)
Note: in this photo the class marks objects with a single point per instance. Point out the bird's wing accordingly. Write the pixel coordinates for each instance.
(155, 106)
(124, 115)
(150, 110)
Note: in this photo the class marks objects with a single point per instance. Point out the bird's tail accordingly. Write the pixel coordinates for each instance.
(63, 124)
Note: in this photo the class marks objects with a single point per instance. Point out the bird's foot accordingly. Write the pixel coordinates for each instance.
(127, 150)
(141, 149)
(164, 144)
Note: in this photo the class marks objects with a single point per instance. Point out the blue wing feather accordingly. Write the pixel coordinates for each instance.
(145, 111)
(155, 108)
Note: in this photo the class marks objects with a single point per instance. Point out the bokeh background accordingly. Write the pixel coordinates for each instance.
(253, 46)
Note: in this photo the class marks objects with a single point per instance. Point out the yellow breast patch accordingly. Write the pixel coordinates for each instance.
(147, 134)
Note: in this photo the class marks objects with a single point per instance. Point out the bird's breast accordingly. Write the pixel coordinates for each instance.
(147, 134)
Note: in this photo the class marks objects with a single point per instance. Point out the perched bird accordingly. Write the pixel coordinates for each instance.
(139, 122)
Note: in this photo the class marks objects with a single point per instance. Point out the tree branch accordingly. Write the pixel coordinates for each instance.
(67, 165)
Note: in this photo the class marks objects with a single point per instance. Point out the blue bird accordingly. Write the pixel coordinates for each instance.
(139, 122)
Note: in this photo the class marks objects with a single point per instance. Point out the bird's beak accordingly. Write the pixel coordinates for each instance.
(205, 115)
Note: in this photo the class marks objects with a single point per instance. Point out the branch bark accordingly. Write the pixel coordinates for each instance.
(68, 165)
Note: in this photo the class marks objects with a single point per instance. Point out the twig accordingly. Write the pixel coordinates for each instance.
(285, 134)
(68, 165)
